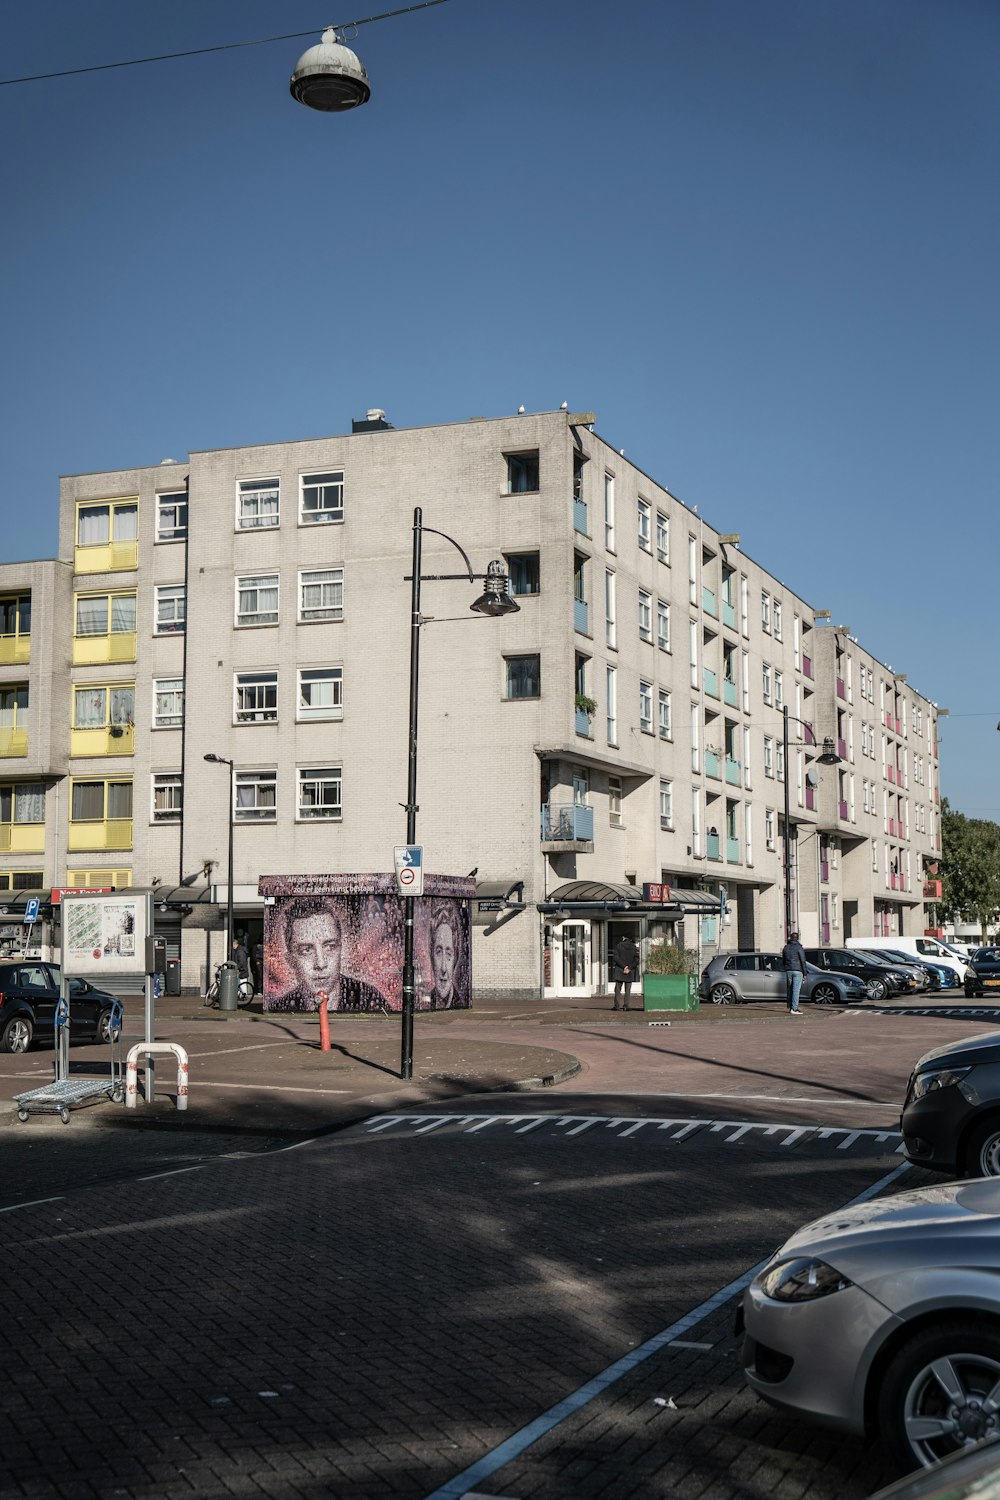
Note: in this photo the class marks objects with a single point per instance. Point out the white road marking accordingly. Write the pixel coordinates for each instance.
(33, 1204)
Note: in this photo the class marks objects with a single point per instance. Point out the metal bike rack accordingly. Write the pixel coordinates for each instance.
(146, 1049)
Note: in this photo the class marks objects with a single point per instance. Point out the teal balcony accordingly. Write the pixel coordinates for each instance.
(712, 764)
(580, 517)
(584, 723)
(566, 822)
(732, 851)
(709, 603)
(729, 692)
(728, 614)
(581, 616)
(712, 848)
(732, 771)
(710, 682)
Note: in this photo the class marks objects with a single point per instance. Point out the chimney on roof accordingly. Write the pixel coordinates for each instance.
(374, 421)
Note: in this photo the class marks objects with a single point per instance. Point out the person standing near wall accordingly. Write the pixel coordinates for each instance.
(624, 969)
(794, 959)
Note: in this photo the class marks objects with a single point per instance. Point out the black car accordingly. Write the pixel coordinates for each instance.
(951, 1115)
(880, 979)
(985, 966)
(29, 990)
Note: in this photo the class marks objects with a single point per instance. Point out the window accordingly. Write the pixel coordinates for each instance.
(611, 685)
(256, 697)
(524, 676)
(105, 614)
(766, 681)
(171, 609)
(643, 519)
(662, 537)
(692, 569)
(101, 707)
(776, 618)
(100, 801)
(748, 831)
(666, 718)
(663, 624)
(646, 707)
(168, 797)
(769, 839)
(696, 822)
(609, 512)
(22, 802)
(765, 610)
(693, 652)
(172, 516)
(744, 604)
(21, 880)
(615, 801)
(321, 498)
(256, 504)
(695, 739)
(321, 693)
(107, 521)
(168, 702)
(522, 473)
(609, 607)
(15, 614)
(524, 573)
(666, 803)
(321, 594)
(779, 761)
(13, 705)
(768, 756)
(319, 793)
(256, 797)
(257, 599)
(779, 689)
(645, 616)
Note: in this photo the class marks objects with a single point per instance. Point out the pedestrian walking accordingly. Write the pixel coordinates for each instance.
(240, 958)
(624, 969)
(794, 959)
(258, 965)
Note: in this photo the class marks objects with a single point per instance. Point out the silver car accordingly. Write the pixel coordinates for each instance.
(886, 1316)
(734, 978)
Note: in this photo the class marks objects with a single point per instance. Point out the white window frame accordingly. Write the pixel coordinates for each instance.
(170, 609)
(615, 801)
(646, 707)
(643, 519)
(609, 511)
(663, 536)
(645, 615)
(258, 504)
(331, 510)
(765, 611)
(257, 582)
(666, 802)
(173, 808)
(766, 686)
(776, 618)
(328, 785)
(610, 627)
(255, 696)
(663, 624)
(257, 809)
(307, 677)
(768, 757)
(175, 502)
(611, 687)
(174, 686)
(779, 689)
(770, 839)
(665, 712)
(327, 584)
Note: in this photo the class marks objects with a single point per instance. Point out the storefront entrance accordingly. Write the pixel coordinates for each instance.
(569, 958)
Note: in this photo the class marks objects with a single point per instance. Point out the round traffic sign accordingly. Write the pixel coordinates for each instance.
(407, 875)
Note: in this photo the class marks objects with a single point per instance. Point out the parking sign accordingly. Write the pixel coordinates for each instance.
(31, 910)
(409, 862)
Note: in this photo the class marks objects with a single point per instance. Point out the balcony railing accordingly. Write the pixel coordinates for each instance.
(581, 616)
(712, 764)
(728, 614)
(841, 689)
(824, 869)
(97, 650)
(584, 723)
(732, 771)
(709, 603)
(13, 732)
(14, 650)
(109, 833)
(842, 749)
(842, 811)
(732, 851)
(710, 682)
(891, 773)
(567, 822)
(106, 557)
(580, 517)
(811, 798)
(22, 838)
(807, 666)
(712, 847)
(729, 692)
(108, 739)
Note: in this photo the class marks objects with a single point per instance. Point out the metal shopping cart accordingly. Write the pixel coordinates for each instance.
(65, 1093)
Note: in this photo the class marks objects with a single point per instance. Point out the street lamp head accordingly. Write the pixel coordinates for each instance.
(495, 600)
(330, 77)
(829, 756)
(215, 759)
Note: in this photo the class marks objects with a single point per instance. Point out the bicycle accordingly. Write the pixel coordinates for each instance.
(244, 991)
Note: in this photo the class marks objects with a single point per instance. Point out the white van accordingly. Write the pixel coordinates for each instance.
(920, 947)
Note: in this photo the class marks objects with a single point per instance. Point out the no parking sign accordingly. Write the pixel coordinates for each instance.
(409, 861)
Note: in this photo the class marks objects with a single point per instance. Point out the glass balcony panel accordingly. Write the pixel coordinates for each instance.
(712, 846)
(709, 603)
(729, 692)
(14, 649)
(710, 682)
(583, 723)
(110, 557)
(712, 764)
(567, 821)
(580, 517)
(732, 851)
(728, 614)
(732, 771)
(581, 616)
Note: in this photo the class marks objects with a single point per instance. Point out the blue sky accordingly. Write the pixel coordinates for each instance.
(758, 237)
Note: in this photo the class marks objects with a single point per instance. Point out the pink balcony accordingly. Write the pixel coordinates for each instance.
(811, 798)
(824, 869)
(841, 689)
(807, 666)
(842, 749)
(891, 773)
(888, 719)
(899, 726)
(842, 811)
(809, 734)
(892, 828)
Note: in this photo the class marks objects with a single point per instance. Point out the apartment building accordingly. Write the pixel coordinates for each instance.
(612, 757)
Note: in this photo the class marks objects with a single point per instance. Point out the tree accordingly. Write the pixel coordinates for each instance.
(970, 867)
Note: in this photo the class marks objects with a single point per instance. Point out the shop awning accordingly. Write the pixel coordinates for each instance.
(500, 895)
(12, 903)
(596, 895)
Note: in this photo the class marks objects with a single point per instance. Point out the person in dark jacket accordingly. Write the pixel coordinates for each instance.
(794, 959)
(624, 969)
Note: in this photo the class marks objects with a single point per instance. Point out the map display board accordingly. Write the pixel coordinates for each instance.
(104, 935)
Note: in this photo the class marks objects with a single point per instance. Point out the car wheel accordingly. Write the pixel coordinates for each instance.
(102, 1031)
(982, 1153)
(877, 989)
(16, 1035)
(934, 1394)
(825, 994)
(723, 994)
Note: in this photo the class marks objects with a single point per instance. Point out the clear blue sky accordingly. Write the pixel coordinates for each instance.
(758, 237)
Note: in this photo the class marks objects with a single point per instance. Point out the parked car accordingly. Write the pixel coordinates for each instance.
(923, 979)
(885, 1317)
(942, 976)
(880, 979)
(733, 978)
(918, 948)
(951, 1114)
(984, 972)
(29, 991)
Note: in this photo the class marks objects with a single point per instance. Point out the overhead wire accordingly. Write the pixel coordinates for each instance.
(265, 41)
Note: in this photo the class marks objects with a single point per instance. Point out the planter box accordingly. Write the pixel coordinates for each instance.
(670, 992)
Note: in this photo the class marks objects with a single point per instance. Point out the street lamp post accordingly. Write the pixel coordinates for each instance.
(494, 601)
(220, 760)
(829, 757)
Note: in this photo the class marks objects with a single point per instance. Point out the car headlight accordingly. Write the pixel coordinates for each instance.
(801, 1280)
(928, 1083)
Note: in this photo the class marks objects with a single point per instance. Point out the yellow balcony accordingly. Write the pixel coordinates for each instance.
(14, 649)
(22, 838)
(117, 740)
(99, 650)
(111, 833)
(108, 557)
(13, 742)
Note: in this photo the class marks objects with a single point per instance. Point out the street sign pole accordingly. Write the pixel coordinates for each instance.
(408, 859)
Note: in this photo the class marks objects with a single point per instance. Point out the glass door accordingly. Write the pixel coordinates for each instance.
(571, 963)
